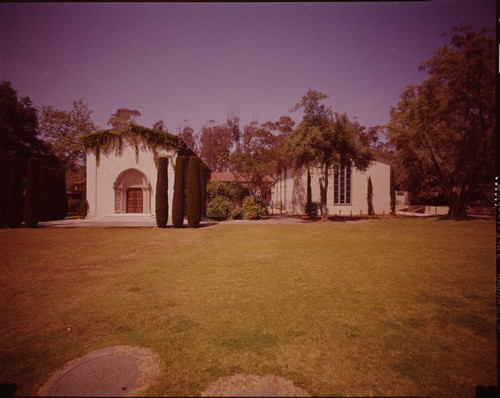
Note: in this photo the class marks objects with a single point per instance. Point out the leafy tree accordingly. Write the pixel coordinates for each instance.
(31, 215)
(324, 139)
(189, 137)
(160, 126)
(15, 198)
(193, 208)
(215, 145)
(18, 126)
(162, 193)
(123, 117)
(178, 199)
(369, 197)
(443, 128)
(63, 132)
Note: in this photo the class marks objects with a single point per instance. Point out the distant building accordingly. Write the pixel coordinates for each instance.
(347, 189)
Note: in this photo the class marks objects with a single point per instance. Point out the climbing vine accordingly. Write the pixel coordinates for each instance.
(135, 135)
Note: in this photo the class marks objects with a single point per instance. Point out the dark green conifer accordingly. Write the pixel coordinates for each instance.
(178, 199)
(162, 193)
(369, 197)
(31, 214)
(193, 193)
(15, 197)
(4, 179)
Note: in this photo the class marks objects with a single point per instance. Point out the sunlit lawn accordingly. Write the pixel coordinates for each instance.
(388, 307)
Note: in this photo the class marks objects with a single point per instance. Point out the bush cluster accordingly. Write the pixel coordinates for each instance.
(237, 213)
(218, 209)
(254, 209)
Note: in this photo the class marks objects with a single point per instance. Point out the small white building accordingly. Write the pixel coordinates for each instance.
(122, 170)
(347, 189)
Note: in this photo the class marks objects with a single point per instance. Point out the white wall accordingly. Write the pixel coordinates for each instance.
(102, 175)
(291, 190)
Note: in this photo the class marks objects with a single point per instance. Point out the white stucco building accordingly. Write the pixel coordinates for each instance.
(122, 172)
(347, 189)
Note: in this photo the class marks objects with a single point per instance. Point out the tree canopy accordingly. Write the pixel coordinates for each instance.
(443, 128)
(64, 130)
(123, 117)
(324, 139)
(18, 126)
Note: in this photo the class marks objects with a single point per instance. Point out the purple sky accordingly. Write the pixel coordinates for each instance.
(199, 61)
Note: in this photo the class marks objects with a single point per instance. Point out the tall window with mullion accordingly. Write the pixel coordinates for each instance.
(342, 186)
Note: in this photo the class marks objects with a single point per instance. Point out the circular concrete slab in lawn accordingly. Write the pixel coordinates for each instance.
(113, 371)
(242, 385)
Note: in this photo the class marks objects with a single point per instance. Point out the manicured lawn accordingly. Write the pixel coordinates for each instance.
(388, 307)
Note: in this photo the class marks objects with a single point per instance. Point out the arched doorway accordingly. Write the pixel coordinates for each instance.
(132, 192)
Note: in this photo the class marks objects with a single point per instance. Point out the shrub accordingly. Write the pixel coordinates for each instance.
(84, 209)
(162, 193)
(193, 208)
(218, 209)
(31, 216)
(232, 190)
(178, 199)
(237, 213)
(369, 197)
(312, 209)
(74, 205)
(254, 209)
(15, 198)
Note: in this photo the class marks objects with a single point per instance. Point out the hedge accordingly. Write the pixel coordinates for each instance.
(162, 193)
(15, 197)
(193, 208)
(31, 214)
(178, 199)
(4, 179)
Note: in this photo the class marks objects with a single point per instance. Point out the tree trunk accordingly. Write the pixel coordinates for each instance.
(458, 203)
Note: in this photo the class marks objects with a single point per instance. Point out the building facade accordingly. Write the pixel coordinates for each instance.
(347, 189)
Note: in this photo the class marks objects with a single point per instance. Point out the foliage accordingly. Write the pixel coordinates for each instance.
(61, 196)
(254, 209)
(443, 128)
(123, 117)
(238, 213)
(31, 215)
(162, 193)
(204, 171)
(45, 200)
(215, 145)
(4, 181)
(178, 199)
(74, 205)
(134, 135)
(193, 205)
(84, 209)
(187, 134)
(310, 208)
(15, 198)
(324, 139)
(63, 132)
(18, 126)
(53, 194)
(160, 126)
(218, 209)
(392, 192)
(369, 197)
(232, 190)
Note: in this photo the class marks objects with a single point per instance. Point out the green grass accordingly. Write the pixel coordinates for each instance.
(388, 307)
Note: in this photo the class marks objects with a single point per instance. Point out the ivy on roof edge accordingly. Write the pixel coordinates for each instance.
(135, 134)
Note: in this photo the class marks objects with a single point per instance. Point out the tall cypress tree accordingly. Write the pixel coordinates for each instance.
(203, 188)
(193, 193)
(393, 192)
(62, 196)
(15, 198)
(31, 214)
(162, 193)
(53, 194)
(44, 194)
(4, 179)
(369, 197)
(178, 199)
